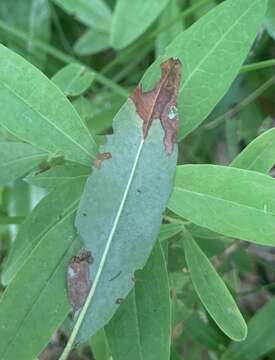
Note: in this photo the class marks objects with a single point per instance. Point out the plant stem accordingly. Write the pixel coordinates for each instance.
(245, 102)
(10, 220)
(258, 65)
(67, 59)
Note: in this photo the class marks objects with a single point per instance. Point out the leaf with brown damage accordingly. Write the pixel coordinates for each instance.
(161, 103)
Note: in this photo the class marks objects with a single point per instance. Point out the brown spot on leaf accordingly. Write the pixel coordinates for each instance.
(101, 157)
(160, 103)
(119, 301)
(78, 279)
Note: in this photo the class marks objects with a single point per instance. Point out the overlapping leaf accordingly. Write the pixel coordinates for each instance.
(233, 202)
(36, 111)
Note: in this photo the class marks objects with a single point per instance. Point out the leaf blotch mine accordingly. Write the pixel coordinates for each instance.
(78, 279)
(101, 157)
(161, 103)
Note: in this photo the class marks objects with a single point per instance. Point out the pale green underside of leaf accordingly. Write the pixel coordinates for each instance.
(17, 159)
(59, 174)
(132, 18)
(140, 329)
(74, 79)
(41, 301)
(47, 215)
(121, 210)
(93, 13)
(212, 52)
(259, 155)
(213, 292)
(36, 111)
(234, 202)
(92, 42)
(260, 338)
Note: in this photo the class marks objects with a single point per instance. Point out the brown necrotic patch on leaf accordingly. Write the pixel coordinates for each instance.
(78, 279)
(161, 103)
(101, 157)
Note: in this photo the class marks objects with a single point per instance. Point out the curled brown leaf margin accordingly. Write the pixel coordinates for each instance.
(161, 103)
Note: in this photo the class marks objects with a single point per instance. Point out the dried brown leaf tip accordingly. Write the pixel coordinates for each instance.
(161, 103)
(101, 157)
(78, 279)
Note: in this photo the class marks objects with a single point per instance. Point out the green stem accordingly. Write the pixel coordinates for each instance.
(245, 102)
(258, 65)
(67, 59)
(11, 220)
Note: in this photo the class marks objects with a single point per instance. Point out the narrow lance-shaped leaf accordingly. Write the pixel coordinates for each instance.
(36, 111)
(121, 208)
(212, 291)
(259, 155)
(140, 329)
(17, 159)
(233, 202)
(212, 51)
(260, 337)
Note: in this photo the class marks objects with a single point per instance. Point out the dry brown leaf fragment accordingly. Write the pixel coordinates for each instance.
(161, 103)
(78, 279)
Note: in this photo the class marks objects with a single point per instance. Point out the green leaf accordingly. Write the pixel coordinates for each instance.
(211, 62)
(73, 79)
(47, 215)
(234, 202)
(269, 21)
(132, 18)
(141, 327)
(32, 17)
(95, 13)
(213, 293)
(36, 302)
(260, 339)
(169, 230)
(123, 201)
(203, 333)
(58, 174)
(166, 37)
(259, 155)
(17, 159)
(92, 42)
(99, 346)
(36, 111)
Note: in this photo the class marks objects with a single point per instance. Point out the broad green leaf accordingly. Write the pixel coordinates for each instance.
(36, 302)
(123, 201)
(167, 36)
(47, 215)
(132, 18)
(259, 155)
(212, 52)
(58, 174)
(73, 79)
(234, 202)
(32, 17)
(140, 329)
(212, 292)
(93, 13)
(17, 159)
(269, 21)
(36, 111)
(92, 42)
(260, 337)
